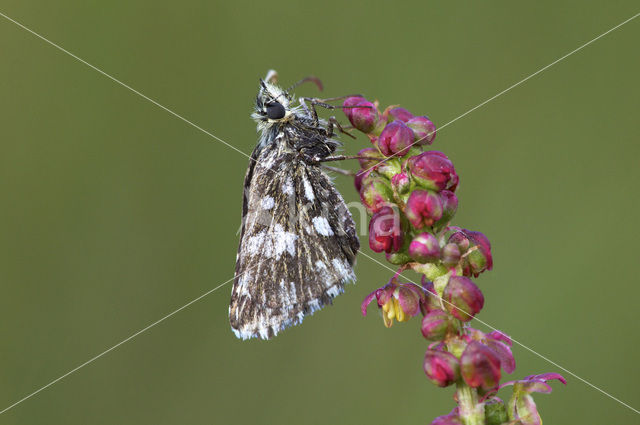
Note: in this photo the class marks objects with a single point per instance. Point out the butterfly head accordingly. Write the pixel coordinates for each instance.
(272, 102)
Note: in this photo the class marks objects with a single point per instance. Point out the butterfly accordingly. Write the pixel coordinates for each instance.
(298, 241)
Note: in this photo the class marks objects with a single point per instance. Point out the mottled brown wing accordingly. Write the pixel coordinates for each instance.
(297, 247)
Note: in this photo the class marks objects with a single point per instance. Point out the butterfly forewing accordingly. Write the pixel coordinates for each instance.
(298, 240)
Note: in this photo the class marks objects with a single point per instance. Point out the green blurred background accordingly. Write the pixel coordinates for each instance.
(115, 213)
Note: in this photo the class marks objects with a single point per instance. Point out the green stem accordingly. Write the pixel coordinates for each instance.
(470, 410)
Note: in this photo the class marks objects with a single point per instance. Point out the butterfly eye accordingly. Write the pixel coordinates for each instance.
(275, 111)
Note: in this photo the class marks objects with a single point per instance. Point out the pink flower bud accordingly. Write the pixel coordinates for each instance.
(396, 138)
(375, 193)
(433, 170)
(423, 129)
(450, 255)
(409, 298)
(433, 302)
(399, 114)
(423, 208)
(463, 298)
(360, 178)
(449, 202)
(480, 367)
(400, 183)
(363, 118)
(437, 324)
(480, 259)
(441, 367)
(372, 153)
(460, 239)
(389, 167)
(476, 250)
(384, 231)
(424, 248)
(502, 350)
(349, 102)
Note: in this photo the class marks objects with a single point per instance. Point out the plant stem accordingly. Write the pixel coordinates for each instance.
(471, 412)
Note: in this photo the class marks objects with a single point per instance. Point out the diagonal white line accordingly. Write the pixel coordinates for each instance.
(129, 338)
(243, 153)
(514, 85)
(514, 340)
(125, 85)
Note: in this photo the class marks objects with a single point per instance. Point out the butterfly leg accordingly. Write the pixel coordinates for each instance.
(314, 101)
(346, 157)
(339, 170)
(333, 122)
(312, 110)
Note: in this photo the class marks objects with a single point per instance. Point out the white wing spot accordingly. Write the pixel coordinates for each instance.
(255, 243)
(308, 190)
(267, 203)
(287, 186)
(322, 226)
(293, 291)
(273, 243)
(283, 240)
(323, 270)
(344, 269)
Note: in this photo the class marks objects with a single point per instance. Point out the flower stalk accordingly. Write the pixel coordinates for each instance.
(471, 412)
(410, 195)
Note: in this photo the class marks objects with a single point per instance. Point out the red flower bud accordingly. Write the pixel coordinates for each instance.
(372, 153)
(399, 114)
(375, 193)
(463, 298)
(349, 102)
(359, 179)
(449, 202)
(441, 367)
(400, 183)
(502, 350)
(363, 118)
(433, 301)
(433, 170)
(396, 138)
(384, 231)
(389, 168)
(477, 248)
(423, 129)
(410, 297)
(424, 248)
(480, 259)
(450, 255)
(480, 367)
(460, 239)
(423, 208)
(437, 324)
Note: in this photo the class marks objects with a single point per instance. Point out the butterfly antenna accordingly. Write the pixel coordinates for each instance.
(309, 79)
